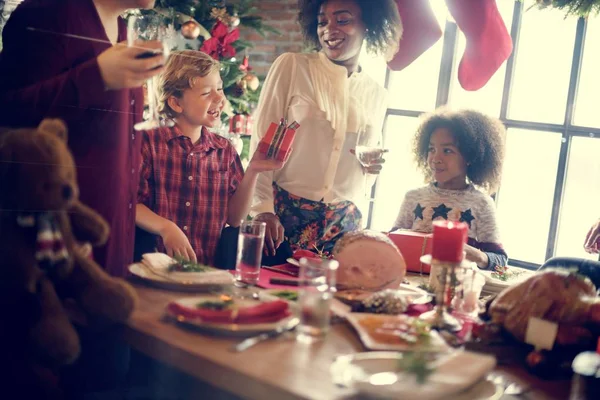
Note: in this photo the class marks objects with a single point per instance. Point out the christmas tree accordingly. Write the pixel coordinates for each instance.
(212, 26)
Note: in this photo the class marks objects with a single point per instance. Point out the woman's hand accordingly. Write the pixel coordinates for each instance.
(121, 67)
(273, 233)
(376, 165)
(477, 256)
(176, 243)
(591, 240)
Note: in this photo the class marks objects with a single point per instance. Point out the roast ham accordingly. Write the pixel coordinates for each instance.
(558, 296)
(369, 261)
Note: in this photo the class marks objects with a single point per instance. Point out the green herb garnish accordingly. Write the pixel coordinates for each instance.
(182, 265)
(417, 364)
(504, 273)
(215, 305)
(286, 295)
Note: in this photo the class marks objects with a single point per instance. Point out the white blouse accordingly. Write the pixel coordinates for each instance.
(330, 108)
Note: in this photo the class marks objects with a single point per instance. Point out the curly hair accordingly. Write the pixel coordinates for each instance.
(380, 17)
(479, 138)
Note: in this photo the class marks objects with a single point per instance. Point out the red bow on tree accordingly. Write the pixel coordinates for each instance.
(219, 45)
(245, 65)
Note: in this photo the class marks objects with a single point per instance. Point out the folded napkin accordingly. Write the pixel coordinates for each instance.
(159, 263)
(272, 311)
(298, 254)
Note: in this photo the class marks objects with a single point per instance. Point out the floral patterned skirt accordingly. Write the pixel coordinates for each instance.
(312, 224)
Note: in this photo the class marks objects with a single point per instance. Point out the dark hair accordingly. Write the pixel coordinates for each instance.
(479, 138)
(380, 17)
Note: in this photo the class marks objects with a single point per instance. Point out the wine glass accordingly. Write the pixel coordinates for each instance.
(368, 151)
(147, 26)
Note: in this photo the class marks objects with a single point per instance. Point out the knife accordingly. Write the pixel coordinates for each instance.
(251, 341)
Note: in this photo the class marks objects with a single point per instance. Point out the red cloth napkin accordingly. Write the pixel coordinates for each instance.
(272, 311)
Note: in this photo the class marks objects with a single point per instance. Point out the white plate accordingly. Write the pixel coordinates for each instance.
(436, 343)
(458, 375)
(230, 329)
(154, 269)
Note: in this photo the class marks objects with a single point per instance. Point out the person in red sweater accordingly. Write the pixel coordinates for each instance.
(68, 59)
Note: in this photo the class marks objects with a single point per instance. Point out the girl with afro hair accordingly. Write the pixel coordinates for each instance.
(461, 154)
(312, 200)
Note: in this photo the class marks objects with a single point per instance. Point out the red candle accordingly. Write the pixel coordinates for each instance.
(449, 239)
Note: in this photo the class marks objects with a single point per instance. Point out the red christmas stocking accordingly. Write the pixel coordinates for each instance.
(488, 42)
(420, 31)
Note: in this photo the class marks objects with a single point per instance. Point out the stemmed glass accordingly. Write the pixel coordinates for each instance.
(369, 149)
(147, 26)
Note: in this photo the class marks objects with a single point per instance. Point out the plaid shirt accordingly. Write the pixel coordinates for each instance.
(189, 184)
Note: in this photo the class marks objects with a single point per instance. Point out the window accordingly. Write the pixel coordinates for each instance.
(546, 95)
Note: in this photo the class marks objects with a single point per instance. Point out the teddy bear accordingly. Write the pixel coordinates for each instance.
(43, 261)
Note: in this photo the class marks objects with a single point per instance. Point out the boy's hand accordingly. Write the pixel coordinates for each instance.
(260, 163)
(120, 68)
(176, 243)
(273, 233)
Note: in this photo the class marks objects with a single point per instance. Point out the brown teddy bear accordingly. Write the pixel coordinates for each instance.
(42, 261)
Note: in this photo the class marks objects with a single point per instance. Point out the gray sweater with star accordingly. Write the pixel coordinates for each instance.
(427, 204)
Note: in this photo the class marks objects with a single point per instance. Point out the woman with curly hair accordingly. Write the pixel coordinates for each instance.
(461, 155)
(312, 199)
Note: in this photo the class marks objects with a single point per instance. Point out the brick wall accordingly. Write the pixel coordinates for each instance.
(282, 15)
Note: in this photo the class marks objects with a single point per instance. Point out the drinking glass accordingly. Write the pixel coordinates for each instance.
(369, 149)
(149, 26)
(317, 287)
(249, 253)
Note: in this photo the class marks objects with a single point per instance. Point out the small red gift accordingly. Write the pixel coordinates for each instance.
(278, 140)
(237, 124)
(413, 245)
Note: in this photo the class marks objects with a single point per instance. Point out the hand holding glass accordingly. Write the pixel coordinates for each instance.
(369, 151)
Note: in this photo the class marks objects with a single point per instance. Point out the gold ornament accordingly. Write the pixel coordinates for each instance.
(190, 29)
(251, 81)
(220, 14)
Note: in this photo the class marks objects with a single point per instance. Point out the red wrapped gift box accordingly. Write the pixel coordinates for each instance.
(278, 140)
(413, 245)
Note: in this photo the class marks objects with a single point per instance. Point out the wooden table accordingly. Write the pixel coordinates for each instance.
(278, 369)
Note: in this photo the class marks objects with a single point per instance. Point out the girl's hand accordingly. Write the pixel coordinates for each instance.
(260, 163)
(477, 256)
(176, 243)
(591, 240)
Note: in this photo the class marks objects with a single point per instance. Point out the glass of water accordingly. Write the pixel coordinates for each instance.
(249, 253)
(317, 287)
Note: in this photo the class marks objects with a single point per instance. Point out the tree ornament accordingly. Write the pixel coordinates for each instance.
(234, 20)
(240, 88)
(252, 81)
(190, 29)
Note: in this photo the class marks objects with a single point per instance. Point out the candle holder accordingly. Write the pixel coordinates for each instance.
(443, 280)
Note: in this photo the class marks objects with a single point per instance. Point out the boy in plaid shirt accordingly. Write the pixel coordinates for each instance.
(191, 181)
